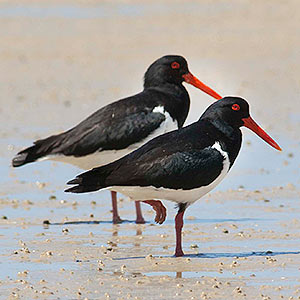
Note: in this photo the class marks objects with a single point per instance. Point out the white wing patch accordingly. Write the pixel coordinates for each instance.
(166, 126)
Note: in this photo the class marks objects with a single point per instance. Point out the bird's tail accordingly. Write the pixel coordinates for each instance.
(41, 148)
(90, 181)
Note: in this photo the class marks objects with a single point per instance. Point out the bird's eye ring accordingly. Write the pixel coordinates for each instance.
(235, 107)
(175, 65)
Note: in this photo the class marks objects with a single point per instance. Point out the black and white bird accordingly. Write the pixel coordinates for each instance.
(180, 166)
(122, 126)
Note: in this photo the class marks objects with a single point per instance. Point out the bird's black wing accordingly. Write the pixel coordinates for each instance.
(111, 133)
(180, 170)
(113, 127)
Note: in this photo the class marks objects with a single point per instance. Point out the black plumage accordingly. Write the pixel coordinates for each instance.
(115, 126)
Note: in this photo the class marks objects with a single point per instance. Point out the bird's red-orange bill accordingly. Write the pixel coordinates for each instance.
(193, 80)
(252, 125)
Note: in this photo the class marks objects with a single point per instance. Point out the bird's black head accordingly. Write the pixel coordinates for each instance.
(167, 69)
(234, 112)
(231, 110)
(173, 69)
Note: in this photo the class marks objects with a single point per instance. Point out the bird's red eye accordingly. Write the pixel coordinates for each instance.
(175, 65)
(235, 107)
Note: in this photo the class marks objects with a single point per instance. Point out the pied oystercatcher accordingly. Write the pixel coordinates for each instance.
(122, 126)
(180, 166)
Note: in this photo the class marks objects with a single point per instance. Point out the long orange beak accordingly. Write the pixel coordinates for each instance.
(251, 124)
(191, 79)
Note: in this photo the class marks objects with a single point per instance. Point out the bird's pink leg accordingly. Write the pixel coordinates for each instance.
(116, 218)
(161, 211)
(178, 228)
(139, 215)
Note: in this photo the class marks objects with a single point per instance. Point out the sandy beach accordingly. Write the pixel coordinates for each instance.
(61, 61)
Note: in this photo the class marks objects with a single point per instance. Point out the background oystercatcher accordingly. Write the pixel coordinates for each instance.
(180, 166)
(120, 127)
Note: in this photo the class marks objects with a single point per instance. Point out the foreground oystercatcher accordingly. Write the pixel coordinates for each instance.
(180, 166)
(121, 127)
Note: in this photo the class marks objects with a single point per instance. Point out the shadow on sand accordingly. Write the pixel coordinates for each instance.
(90, 222)
(167, 222)
(221, 255)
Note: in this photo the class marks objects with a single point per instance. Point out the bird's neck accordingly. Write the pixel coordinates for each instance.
(227, 130)
(166, 87)
(175, 99)
(230, 137)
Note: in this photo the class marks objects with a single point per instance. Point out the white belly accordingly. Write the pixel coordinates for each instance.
(93, 160)
(178, 196)
(101, 158)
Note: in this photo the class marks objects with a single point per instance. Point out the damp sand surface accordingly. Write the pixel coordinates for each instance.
(62, 60)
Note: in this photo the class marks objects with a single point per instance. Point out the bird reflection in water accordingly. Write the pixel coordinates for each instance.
(138, 233)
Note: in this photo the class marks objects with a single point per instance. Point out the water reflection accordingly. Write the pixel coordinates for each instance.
(139, 233)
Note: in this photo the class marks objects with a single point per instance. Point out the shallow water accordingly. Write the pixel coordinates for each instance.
(103, 10)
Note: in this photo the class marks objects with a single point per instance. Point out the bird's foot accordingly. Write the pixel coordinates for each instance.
(140, 220)
(161, 211)
(117, 220)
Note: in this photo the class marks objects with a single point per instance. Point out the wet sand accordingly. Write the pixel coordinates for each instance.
(60, 61)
